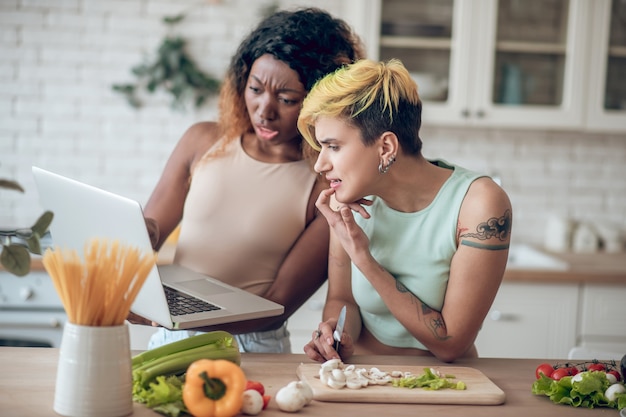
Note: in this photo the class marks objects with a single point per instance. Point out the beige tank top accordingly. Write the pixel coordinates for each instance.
(242, 217)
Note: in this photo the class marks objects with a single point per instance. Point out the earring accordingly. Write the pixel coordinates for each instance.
(384, 168)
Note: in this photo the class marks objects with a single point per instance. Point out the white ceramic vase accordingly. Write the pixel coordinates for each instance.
(94, 375)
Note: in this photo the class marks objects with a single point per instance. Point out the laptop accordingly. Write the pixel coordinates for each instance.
(83, 212)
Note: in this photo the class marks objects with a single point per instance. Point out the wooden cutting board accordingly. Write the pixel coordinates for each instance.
(480, 389)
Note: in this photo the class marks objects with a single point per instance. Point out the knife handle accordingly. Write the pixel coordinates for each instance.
(336, 345)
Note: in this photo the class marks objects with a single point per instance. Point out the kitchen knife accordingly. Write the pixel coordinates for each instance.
(339, 329)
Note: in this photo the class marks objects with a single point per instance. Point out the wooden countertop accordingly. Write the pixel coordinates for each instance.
(28, 378)
(605, 268)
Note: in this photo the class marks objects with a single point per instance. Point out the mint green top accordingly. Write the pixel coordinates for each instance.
(416, 248)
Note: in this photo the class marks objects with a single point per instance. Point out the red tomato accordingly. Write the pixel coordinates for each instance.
(266, 401)
(615, 374)
(544, 368)
(573, 370)
(596, 367)
(257, 386)
(560, 373)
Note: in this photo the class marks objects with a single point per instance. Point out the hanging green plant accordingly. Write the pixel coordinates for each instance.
(174, 71)
(16, 257)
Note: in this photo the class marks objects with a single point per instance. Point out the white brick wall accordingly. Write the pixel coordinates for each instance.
(57, 110)
(577, 175)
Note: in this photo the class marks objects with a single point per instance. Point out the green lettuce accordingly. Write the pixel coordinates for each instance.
(587, 392)
(429, 380)
(164, 395)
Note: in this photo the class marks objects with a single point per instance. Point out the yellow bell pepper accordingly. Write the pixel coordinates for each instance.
(214, 388)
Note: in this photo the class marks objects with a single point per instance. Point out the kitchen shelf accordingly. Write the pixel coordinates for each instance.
(617, 51)
(418, 43)
(532, 48)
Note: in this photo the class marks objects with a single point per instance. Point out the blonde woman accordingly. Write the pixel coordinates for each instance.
(418, 247)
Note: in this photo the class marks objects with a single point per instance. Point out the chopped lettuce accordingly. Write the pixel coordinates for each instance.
(586, 392)
(164, 396)
(429, 380)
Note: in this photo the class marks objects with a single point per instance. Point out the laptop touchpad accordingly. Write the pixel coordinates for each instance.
(203, 286)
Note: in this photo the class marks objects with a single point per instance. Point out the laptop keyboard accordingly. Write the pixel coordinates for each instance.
(181, 304)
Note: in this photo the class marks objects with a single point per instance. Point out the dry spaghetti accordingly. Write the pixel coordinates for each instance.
(99, 290)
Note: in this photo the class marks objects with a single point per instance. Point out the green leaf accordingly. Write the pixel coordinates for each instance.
(164, 395)
(200, 99)
(429, 381)
(134, 102)
(43, 222)
(172, 20)
(34, 244)
(587, 393)
(592, 381)
(542, 386)
(123, 88)
(170, 64)
(15, 259)
(141, 70)
(11, 185)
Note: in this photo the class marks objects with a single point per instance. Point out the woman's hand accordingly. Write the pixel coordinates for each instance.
(321, 347)
(351, 236)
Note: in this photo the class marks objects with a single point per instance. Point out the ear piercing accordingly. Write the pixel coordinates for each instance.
(383, 168)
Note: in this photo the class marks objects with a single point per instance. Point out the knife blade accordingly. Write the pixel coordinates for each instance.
(339, 329)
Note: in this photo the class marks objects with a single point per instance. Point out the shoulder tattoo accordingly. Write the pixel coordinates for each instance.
(498, 227)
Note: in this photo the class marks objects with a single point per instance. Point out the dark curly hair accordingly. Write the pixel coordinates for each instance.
(310, 41)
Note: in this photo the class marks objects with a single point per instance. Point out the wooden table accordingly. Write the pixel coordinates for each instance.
(27, 380)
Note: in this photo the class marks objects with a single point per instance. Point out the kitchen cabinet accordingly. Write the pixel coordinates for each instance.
(536, 320)
(507, 63)
(607, 66)
(530, 321)
(602, 324)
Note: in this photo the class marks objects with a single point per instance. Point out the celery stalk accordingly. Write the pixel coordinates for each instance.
(178, 362)
(189, 343)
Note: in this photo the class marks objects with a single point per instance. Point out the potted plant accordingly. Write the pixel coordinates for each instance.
(15, 257)
(172, 70)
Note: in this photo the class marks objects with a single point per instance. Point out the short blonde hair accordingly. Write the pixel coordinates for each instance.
(373, 96)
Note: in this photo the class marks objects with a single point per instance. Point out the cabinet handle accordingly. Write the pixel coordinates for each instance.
(480, 114)
(497, 315)
(465, 113)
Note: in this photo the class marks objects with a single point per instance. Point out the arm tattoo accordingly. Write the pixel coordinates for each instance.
(494, 227)
(435, 324)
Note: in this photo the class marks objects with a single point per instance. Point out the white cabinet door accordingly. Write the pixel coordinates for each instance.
(529, 63)
(607, 66)
(603, 312)
(506, 63)
(530, 321)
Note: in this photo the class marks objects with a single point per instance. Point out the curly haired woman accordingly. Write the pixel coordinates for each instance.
(242, 190)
